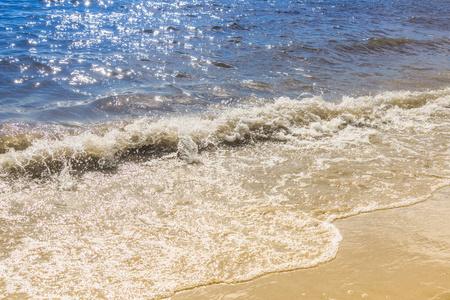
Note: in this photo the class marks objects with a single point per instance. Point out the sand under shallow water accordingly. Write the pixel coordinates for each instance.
(400, 253)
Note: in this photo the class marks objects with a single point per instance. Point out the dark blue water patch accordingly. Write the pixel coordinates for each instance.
(74, 52)
(435, 23)
(401, 45)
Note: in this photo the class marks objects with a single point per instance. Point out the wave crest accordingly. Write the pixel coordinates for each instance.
(40, 154)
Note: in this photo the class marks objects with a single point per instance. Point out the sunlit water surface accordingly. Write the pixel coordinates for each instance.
(151, 147)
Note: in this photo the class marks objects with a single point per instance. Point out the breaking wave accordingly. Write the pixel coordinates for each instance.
(43, 151)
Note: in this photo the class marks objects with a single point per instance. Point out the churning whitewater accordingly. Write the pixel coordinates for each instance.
(145, 208)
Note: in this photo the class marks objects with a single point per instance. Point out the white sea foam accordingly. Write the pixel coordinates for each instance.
(277, 121)
(270, 183)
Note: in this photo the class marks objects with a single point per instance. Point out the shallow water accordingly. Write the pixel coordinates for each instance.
(248, 192)
(148, 148)
(396, 254)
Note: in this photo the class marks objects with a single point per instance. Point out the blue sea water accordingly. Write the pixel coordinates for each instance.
(85, 61)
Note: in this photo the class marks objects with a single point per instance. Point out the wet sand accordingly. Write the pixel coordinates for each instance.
(400, 253)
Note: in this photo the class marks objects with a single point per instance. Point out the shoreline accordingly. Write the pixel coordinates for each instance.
(401, 253)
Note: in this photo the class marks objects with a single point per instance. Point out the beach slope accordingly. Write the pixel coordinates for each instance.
(400, 253)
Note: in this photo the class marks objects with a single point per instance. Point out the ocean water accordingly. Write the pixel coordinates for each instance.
(148, 147)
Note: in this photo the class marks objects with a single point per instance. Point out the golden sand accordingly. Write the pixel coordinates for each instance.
(401, 253)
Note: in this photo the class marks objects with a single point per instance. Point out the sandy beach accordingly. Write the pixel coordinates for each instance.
(400, 253)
